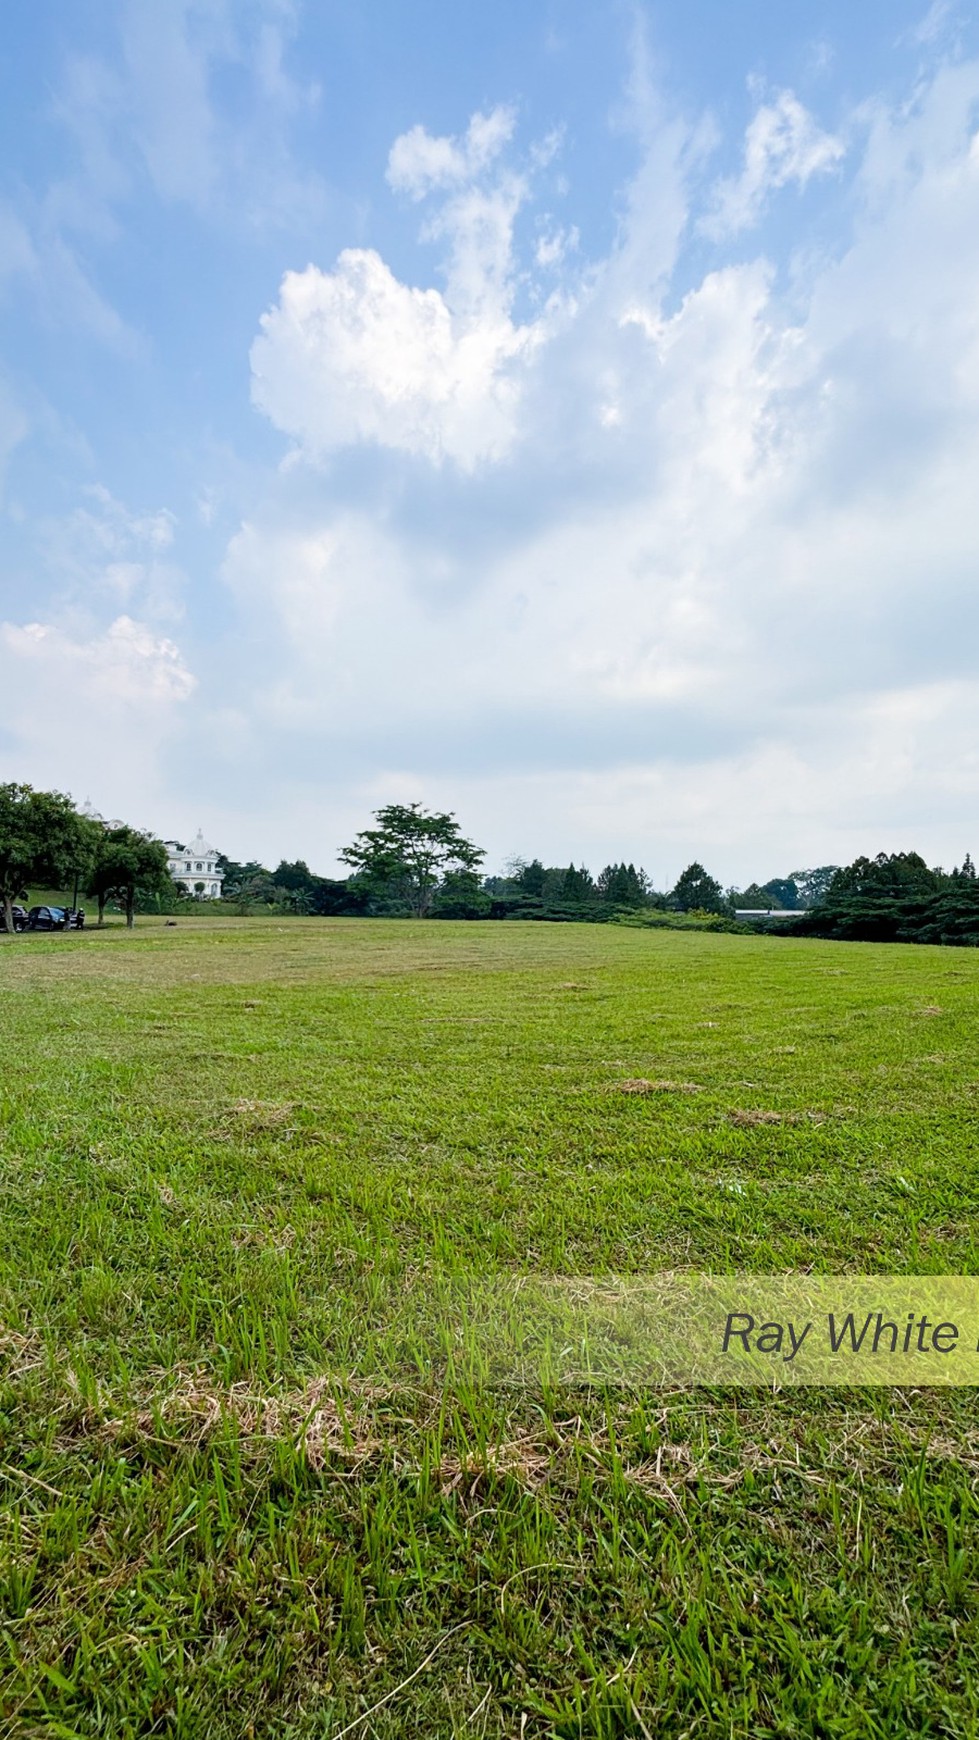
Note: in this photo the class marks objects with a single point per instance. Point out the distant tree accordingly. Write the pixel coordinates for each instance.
(577, 885)
(755, 898)
(783, 892)
(891, 875)
(813, 885)
(42, 839)
(461, 895)
(696, 891)
(407, 855)
(298, 878)
(126, 864)
(530, 878)
(623, 885)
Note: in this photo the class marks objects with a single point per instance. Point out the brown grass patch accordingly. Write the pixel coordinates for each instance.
(749, 1119)
(639, 1085)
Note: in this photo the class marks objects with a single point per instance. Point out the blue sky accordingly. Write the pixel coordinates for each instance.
(564, 415)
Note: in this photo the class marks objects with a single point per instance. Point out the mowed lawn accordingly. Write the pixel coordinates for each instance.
(228, 1147)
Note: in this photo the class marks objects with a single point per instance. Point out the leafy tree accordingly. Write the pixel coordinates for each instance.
(409, 852)
(298, 878)
(782, 892)
(530, 878)
(695, 891)
(461, 895)
(42, 839)
(576, 885)
(127, 863)
(755, 898)
(813, 885)
(623, 885)
(891, 875)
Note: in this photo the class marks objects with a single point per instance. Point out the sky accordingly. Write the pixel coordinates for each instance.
(565, 415)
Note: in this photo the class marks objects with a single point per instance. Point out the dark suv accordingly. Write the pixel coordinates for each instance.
(55, 918)
(20, 918)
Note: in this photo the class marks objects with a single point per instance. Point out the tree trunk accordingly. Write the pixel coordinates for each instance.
(130, 907)
(8, 913)
(101, 898)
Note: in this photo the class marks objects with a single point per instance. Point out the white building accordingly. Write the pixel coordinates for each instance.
(195, 867)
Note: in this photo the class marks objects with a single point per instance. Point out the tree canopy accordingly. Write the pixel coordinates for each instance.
(42, 839)
(404, 859)
(127, 863)
(696, 891)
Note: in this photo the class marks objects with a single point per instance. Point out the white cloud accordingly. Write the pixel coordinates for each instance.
(783, 144)
(418, 163)
(706, 613)
(126, 664)
(354, 355)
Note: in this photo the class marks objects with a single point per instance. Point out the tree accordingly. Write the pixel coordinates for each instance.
(577, 885)
(695, 891)
(298, 878)
(409, 852)
(813, 885)
(42, 839)
(127, 863)
(623, 885)
(890, 876)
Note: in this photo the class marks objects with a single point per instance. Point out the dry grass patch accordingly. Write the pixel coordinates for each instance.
(639, 1085)
(750, 1118)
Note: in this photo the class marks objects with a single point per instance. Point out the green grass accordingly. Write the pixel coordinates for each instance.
(229, 1151)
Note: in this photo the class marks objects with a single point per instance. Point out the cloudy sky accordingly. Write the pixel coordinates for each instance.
(563, 414)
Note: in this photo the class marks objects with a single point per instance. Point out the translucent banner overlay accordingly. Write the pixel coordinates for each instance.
(772, 1331)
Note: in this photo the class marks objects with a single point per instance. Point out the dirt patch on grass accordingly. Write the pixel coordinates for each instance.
(639, 1085)
(256, 1117)
(750, 1119)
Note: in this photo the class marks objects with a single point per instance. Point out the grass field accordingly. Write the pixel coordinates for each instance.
(225, 1148)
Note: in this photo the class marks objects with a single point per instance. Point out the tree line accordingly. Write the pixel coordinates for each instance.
(46, 842)
(417, 863)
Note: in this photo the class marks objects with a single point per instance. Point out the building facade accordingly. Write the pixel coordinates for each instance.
(195, 867)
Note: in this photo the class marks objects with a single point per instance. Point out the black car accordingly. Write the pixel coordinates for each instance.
(20, 918)
(47, 918)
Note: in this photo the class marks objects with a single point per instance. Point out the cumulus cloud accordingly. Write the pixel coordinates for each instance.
(783, 144)
(711, 602)
(419, 162)
(355, 355)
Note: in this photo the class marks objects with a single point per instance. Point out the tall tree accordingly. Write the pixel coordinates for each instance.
(126, 864)
(696, 891)
(42, 839)
(409, 852)
(813, 885)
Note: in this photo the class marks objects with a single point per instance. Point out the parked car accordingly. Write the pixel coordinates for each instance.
(55, 918)
(47, 918)
(20, 918)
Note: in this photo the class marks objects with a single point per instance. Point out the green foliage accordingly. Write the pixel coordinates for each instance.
(404, 859)
(813, 885)
(461, 895)
(623, 885)
(695, 890)
(889, 876)
(126, 864)
(42, 839)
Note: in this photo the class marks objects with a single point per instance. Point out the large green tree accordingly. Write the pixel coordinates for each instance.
(405, 858)
(696, 891)
(42, 839)
(127, 863)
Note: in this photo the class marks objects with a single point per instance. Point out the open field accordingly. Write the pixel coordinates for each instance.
(226, 1147)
